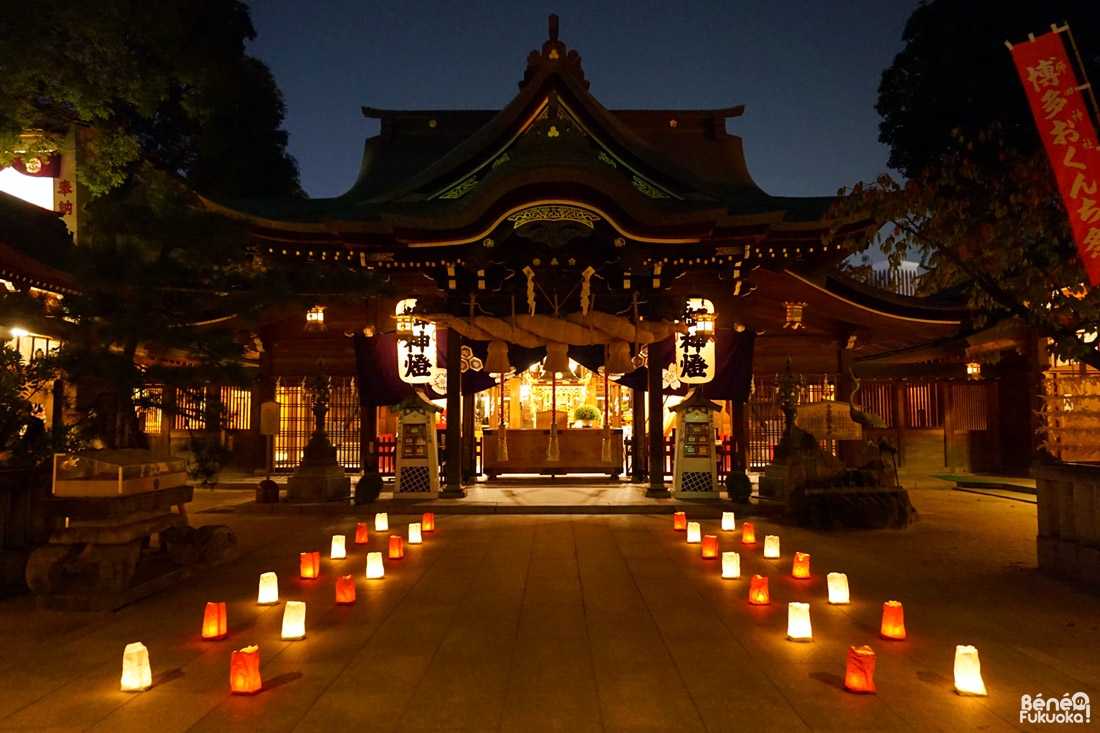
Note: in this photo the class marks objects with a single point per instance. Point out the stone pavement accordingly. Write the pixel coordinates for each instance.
(601, 622)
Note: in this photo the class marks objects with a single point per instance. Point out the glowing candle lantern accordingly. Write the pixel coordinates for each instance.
(310, 564)
(710, 546)
(893, 621)
(838, 588)
(361, 536)
(859, 675)
(339, 547)
(748, 533)
(213, 621)
(381, 522)
(269, 589)
(693, 532)
(244, 671)
(758, 591)
(294, 620)
(427, 522)
(727, 522)
(136, 673)
(414, 533)
(968, 671)
(375, 568)
(680, 521)
(798, 622)
(731, 565)
(397, 548)
(801, 567)
(771, 546)
(345, 589)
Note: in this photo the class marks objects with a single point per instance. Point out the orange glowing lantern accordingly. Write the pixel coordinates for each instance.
(427, 522)
(859, 676)
(758, 591)
(244, 671)
(801, 567)
(710, 546)
(310, 564)
(748, 533)
(728, 523)
(213, 621)
(345, 589)
(968, 671)
(375, 567)
(731, 565)
(136, 673)
(397, 548)
(680, 521)
(893, 621)
(361, 537)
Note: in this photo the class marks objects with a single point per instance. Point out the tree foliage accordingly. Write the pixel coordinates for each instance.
(980, 204)
(164, 82)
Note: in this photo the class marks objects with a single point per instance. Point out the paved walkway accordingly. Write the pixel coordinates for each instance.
(601, 622)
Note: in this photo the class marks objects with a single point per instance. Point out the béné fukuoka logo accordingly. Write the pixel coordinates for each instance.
(1067, 709)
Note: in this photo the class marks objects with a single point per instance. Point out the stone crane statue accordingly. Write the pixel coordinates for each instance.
(871, 420)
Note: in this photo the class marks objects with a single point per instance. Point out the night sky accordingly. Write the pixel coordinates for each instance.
(807, 72)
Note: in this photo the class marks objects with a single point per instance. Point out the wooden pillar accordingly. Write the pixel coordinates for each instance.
(453, 475)
(657, 489)
(739, 431)
(468, 438)
(639, 465)
(368, 435)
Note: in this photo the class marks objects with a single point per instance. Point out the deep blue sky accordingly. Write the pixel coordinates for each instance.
(807, 72)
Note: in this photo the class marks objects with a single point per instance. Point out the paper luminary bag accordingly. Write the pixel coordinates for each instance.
(310, 563)
(859, 675)
(758, 591)
(361, 535)
(244, 671)
(345, 589)
(893, 621)
(214, 622)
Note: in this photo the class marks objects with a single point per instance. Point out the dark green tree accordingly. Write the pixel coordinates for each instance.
(979, 204)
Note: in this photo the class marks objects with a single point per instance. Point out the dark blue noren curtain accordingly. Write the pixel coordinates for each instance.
(376, 365)
(733, 352)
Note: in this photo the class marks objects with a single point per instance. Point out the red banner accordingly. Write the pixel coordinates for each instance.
(1069, 138)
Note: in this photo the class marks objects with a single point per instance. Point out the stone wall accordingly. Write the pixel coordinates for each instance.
(1068, 542)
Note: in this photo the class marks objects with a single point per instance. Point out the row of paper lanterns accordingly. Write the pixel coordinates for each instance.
(244, 664)
(859, 674)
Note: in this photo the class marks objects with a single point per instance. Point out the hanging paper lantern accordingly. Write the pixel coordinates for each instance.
(294, 620)
(748, 533)
(213, 621)
(136, 673)
(345, 589)
(427, 522)
(798, 622)
(727, 522)
(968, 671)
(339, 547)
(893, 621)
(679, 521)
(771, 546)
(859, 675)
(375, 568)
(838, 588)
(710, 546)
(381, 522)
(397, 548)
(731, 565)
(244, 671)
(361, 535)
(801, 566)
(310, 563)
(269, 589)
(694, 533)
(414, 533)
(758, 591)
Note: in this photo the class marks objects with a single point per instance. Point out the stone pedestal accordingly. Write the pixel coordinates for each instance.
(318, 477)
